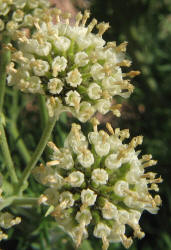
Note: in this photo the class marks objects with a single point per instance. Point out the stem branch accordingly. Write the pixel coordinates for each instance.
(38, 152)
(7, 155)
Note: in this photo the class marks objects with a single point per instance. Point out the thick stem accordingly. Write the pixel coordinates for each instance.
(38, 152)
(7, 155)
(43, 111)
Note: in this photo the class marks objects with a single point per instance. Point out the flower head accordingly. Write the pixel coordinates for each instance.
(100, 181)
(73, 65)
(17, 14)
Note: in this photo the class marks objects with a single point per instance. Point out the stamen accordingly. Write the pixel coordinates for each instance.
(53, 146)
(57, 13)
(10, 68)
(149, 163)
(124, 63)
(10, 47)
(127, 242)
(95, 122)
(109, 127)
(110, 45)
(91, 26)
(105, 242)
(131, 74)
(122, 47)
(85, 17)
(102, 27)
(43, 198)
(52, 163)
(66, 17)
(79, 17)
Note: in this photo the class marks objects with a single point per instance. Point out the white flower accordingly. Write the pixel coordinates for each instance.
(19, 4)
(62, 43)
(64, 157)
(99, 176)
(103, 106)
(73, 98)
(33, 4)
(112, 162)
(86, 158)
(54, 106)
(59, 64)
(84, 216)
(75, 179)
(88, 197)
(55, 85)
(28, 20)
(74, 78)
(101, 229)
(40, 67)
(43, 49)
(102, 148)
(123, 216)
(18, 16)
(97, 72)
(7, 220)
(109, 211)
(117, 231)
(94, 91)
(35, 85)
(76, 139)
(120, 188)
(81, 59)
(115, 143)
(85, 112)
(11, 26)
(4, 9)
(67, 199)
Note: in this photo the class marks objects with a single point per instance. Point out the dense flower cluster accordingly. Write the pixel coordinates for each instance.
(99, 183)
(76, 69)
(16, 14)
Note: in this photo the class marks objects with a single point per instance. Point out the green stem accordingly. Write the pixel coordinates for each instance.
(38, 152)
(7, 155)
(13, 130)
(4, 61)
(18, 201)
(43, 111)
(21, 201)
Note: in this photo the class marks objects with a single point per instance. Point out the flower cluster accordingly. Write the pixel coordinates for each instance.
(16, 14)
(100, 184)
(75, 68)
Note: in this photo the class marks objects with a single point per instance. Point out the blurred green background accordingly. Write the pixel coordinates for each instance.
(146, 25)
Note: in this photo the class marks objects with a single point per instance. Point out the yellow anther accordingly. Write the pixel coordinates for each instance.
(109, 127)
(43, 198)
(53, 146)
(91, 25)
(124, 63)
(131, 74)
(66, 17)
(122, 47)
(95, 122)
(52, 163)
(85, 17)
(79, 17)
(102, 27)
